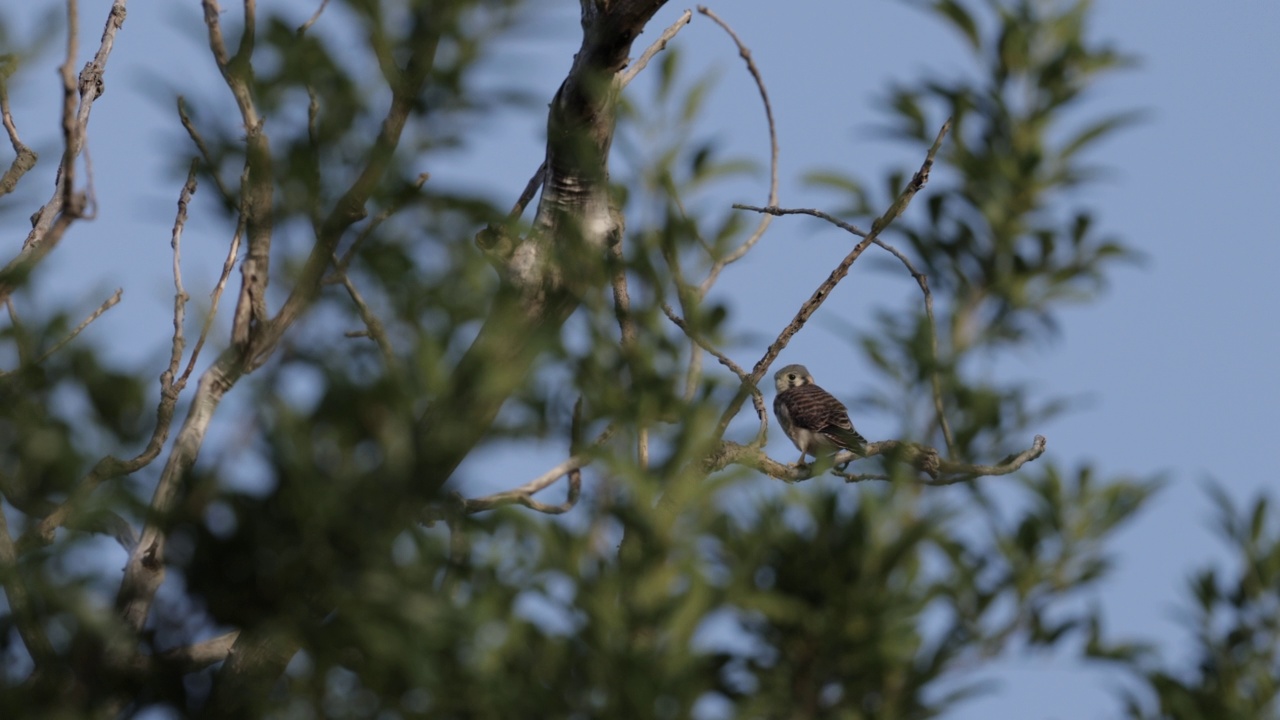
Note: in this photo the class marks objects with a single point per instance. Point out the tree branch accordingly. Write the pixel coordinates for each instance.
(751, 241)
(925, 459)
(65, 205)
(24, 157)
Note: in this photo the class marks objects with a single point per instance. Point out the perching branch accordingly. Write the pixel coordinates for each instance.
(934, 471)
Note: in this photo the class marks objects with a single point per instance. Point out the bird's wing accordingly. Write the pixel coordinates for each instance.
(816, 410)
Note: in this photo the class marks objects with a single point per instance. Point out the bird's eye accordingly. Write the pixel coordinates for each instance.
(791, 376)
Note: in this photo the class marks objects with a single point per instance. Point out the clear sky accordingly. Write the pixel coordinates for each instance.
(1177, 361)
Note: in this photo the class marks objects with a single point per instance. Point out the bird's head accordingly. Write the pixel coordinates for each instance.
(791, 376)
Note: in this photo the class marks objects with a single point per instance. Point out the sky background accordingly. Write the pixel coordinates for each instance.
(1175, 364)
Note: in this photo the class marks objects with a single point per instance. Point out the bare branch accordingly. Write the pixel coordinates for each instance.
(24, 157)
(751, 241)
(523, 495)
(923, 458)
(257, 192)
(657, 46)
(195, 657)
(71, 138)
(105, 306)
(204, 151)
(52, 220)
(703, 344)
(304, 27)
(110, 466)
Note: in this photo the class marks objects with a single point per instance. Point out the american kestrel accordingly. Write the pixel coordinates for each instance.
(814, 420)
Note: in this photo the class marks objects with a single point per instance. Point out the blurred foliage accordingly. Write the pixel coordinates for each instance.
(727, 599)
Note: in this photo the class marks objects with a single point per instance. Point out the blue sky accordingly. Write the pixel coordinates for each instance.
(1176, 361)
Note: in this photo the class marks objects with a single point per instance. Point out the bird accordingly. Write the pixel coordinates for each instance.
(814, 420)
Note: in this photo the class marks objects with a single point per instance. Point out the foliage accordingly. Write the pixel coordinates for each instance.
(312, 524)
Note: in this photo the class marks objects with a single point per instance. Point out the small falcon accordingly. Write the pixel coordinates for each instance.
(814, 420)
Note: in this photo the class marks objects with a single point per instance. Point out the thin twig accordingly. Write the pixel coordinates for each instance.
(304, 27)
(657, 46)
(105, 306)
(703, 344)
(375, 329)
(110, 466)
(523, 495)
(216, 296)
(180, 296)
(204, 152)
(751, 241)
(24, 157)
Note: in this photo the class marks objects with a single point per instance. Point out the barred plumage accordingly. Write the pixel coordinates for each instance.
(814, 420)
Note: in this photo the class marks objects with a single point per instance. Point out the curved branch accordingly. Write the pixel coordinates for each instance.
(750, 242)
